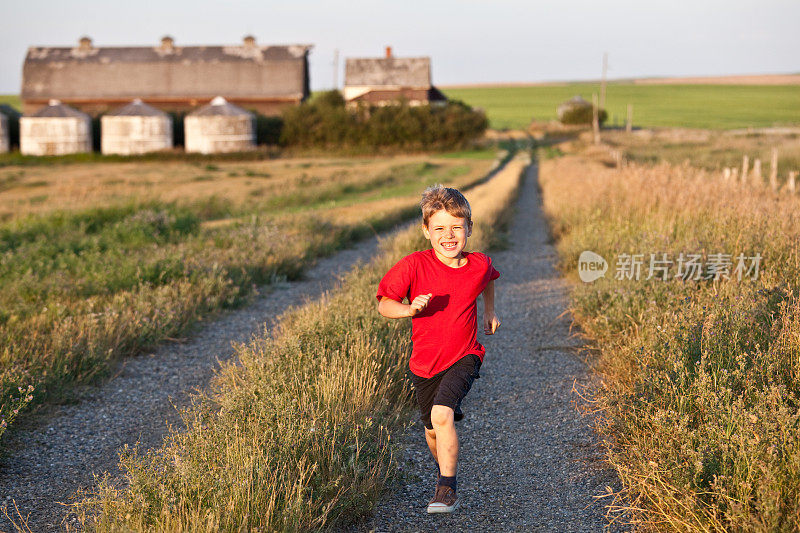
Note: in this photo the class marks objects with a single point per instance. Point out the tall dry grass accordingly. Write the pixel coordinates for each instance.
(84, 287)
(699, 379)
(296, 435)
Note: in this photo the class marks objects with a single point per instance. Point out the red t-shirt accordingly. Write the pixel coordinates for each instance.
(446, 330)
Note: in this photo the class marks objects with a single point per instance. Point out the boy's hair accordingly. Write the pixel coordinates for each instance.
(440, 197)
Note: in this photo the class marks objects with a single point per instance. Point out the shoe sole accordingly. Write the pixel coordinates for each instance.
(443, 508)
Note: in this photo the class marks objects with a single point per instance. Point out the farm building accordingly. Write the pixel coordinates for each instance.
(219, 127)
(167, 76)
(55, 130)
(5, 134)
(387, 80)
(136, 128)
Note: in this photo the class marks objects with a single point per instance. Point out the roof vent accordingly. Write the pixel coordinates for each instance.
(167, 43)
(54, 102)
(388, 52)
(250, 41)
(85, 42)
(218, 100)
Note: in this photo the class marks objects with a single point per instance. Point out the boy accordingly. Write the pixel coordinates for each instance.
(442, 285)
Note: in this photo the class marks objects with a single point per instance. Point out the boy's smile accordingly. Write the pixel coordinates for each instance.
(448, 236)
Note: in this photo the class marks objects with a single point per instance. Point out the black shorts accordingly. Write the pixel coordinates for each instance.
(447, 388)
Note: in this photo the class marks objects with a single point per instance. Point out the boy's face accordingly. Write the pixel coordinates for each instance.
(448, 234)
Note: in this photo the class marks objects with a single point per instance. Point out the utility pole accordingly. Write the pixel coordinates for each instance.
(603, 81)
(335, 68)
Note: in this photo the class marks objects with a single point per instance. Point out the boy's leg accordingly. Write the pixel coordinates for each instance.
(454, 386)
(445, 439)
(425, 390)
(430, 438)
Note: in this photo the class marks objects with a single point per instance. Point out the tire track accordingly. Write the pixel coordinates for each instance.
(529, 461)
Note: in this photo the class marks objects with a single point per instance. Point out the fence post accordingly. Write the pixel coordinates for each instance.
(773, 170)
(726, 174)
(595, 119)
(629, 120)
(757, 179)
(790, 184)
(745, 167)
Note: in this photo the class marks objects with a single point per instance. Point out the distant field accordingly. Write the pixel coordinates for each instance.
(687, 106)
(712, 106)
(11, 99)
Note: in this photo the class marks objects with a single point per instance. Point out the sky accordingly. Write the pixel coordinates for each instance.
(469, 41)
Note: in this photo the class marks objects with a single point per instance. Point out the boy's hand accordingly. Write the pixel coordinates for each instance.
(490, 323)
(418, 304)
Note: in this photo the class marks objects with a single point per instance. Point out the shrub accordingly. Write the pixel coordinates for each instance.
(325, 122)
(582, 115)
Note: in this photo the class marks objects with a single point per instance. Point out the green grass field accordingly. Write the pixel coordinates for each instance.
(688, 106)
(11, 99)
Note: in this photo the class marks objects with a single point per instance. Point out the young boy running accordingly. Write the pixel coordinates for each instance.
(442, 285)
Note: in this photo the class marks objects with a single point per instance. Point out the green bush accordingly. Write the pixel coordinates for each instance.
(582, 115)
(326, 122)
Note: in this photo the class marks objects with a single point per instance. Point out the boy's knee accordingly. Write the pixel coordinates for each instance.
(441, 415)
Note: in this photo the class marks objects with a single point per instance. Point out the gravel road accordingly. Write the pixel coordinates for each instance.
(51, 457)
(529, 460)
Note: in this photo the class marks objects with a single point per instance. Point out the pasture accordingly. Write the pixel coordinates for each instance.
(102, 260)
(684, 106)
(709, 150)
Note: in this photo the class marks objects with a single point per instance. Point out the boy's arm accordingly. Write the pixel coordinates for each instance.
(394, 309)
(490, 320)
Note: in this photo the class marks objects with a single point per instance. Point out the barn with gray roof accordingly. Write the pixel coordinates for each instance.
(167, 76)
(387, 80)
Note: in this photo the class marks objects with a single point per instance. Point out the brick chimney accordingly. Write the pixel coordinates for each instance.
(167, 43)
(388, 52)
(249, 41)
(85, 43)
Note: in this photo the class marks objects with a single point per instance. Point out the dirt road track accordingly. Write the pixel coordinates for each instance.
(529, 460)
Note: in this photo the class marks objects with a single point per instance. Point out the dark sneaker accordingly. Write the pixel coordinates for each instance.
(445, 500)
(458, 414)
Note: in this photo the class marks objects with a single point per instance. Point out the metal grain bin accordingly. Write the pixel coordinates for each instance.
(55, 130)
(219, 127)
(136, 128)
